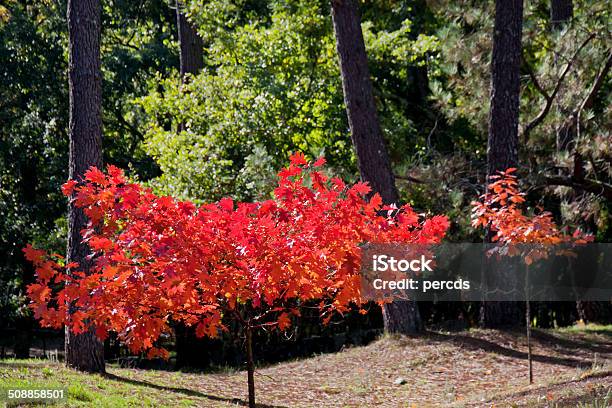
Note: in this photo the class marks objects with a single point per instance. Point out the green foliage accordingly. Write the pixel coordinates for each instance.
(271, 82)
(34, 119)
(275, 86)
(138, 42)
(33, 145)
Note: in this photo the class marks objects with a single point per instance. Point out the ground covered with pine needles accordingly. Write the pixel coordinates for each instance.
(572, 367)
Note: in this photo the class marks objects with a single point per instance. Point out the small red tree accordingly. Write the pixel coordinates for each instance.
(159, 260)
(500, 210)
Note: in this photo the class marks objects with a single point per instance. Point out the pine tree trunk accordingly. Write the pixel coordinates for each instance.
(191, 56)
(85, 351)
(366, 134)
(561, 11)
(502, 149)
(190, 44)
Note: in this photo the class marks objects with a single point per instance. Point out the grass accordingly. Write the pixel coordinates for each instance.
(573, 367)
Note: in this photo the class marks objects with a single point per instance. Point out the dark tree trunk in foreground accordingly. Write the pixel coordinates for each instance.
(366, 134)
(85, 351)
(502, 149)
(561, 11)
(191, 54)
(190, 44)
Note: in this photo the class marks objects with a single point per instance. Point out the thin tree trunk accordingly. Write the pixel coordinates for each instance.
(529, 358)
(502, 149)
(84, 351)
(528, 325)
(366, 134)
(250, 367)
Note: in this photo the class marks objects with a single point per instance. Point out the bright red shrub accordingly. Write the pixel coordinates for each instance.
(158, 260)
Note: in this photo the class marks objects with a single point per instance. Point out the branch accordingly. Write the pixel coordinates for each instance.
(591, 186)
(409, 178)
(589, 100)
(535, 81)
(599, 81)
(551, 97)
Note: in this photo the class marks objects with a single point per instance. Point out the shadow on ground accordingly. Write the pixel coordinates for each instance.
(475, 343)
(186, 391)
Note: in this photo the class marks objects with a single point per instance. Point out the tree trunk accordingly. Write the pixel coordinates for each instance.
(502, 149)
(528, 324)
(190, 44)
(366, 134)
(250, 367)
(191, 56)
(23, 337)
(561, 11)
(402, 317)
(85, 351)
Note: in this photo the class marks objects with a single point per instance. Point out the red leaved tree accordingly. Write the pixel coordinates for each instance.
(501, 211)
(158, 260)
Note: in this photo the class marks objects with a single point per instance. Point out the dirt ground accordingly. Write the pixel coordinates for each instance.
(478, 368)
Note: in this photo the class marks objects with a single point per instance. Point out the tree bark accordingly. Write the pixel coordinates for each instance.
(250, 367)
(191, 54)
(561, 11)
(190, 44)
(85, 351)
(528, 324)
(502, 149)
(366, 134)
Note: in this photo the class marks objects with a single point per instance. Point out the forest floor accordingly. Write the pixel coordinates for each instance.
(476, 368)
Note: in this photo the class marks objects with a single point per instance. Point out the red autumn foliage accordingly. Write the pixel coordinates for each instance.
(157, 260)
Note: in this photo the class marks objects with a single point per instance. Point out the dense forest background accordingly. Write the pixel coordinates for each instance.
(259, 79)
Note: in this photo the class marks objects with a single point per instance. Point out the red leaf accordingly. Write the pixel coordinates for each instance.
(95, 176)
(284, 321)
(68, 187)
(376, 201)
(100, 244)
(227, 204)
(116, 173)
(319, 162)
(361, 188)
(32, 254)
(298, 159)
